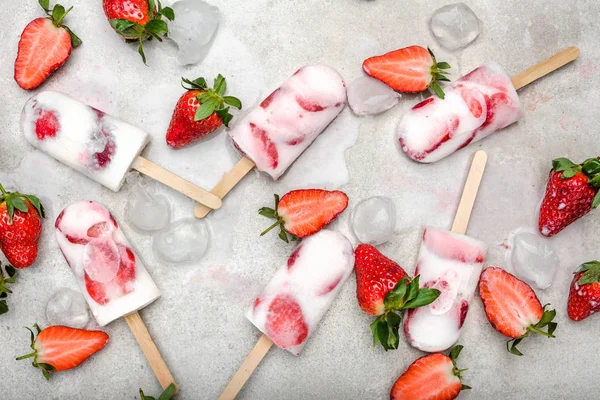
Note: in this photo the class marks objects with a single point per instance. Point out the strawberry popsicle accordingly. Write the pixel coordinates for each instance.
(290, 307)
(451, 263)
(95, 144)
(274, 134)
(475, 106)
(110, 275)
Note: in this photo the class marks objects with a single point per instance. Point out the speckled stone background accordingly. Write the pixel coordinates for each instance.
(199, 323)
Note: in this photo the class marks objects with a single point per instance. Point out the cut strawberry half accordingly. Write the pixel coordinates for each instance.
(435, 376)
(58, 348)
(512, 307)
(304, 212)
(411, 70)
(45, 45)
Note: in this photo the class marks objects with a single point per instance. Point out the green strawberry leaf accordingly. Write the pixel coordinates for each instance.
(233, 101)
(283, 235)
(596, 201)
(220, 85)
(19, 204)
(437, 89)
(144, 397)
(569, 173)
(591, 167)
(413, 289)
(3, 307)
(45, 4)
(204, 111)
(465, 387)
(455, 351)
(591, 271)
(443, 65)
(37, 204)
(11, 211)
(267, 212)
(141, 51)
(562, 164)
(225, 116)
(168, 393)
(394, 299)
(511, 346)
(168, 13)
(151, 8)
(75, 41)
(198, 83)
(157, 27)
(58, 13)
(424, 297)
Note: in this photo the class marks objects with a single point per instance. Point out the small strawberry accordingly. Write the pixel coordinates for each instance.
(10, 278)
(168, 393)
(571, 193)
(200, 111)
(512, 307)
(20, 227)
(58, 348)
(411, 70)
(304, 212)
(584, 296)
(138, 20)
(432, 377)
(45, 45)
(384, 289)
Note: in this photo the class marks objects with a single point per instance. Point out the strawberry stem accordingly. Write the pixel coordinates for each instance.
(27, 356)
(2, 189)
(269, 229)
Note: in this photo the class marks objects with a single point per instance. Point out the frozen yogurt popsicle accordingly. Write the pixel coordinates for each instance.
(97, 145)
(291, 305)
(110, 275)
(451, 263)
(274, 134)
(475, 106)
(289, 308)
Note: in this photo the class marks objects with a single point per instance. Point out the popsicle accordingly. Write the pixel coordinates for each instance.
(290, 307)
(450, 262)
(95, 144)
(110, 275)
(476, 105)
(276, 133)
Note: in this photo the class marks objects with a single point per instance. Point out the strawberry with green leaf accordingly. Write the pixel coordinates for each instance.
(383, 289)
(20, 227)
(584, 294)
(138, 20)
(571, 193)
(200, 111)
(168, 394)
(6, 279)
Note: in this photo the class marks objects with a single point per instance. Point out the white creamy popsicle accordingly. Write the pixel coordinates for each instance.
(94, 143)
(451, 263)
(290, 307)
(475, 106)
(109, 274)
(275, 133)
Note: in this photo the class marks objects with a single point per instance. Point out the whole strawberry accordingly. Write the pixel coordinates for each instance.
(512, 307)
(383, 289)
(584, 295)
(200, 111)
(571, 193)
(59, 348)
(304, 212)
(20, 227)
(411, 70)
(45, 45)
(138, 20)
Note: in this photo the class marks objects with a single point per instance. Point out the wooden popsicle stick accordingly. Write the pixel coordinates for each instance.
(168, 178)
(155, 359)
(238, 381)
(463, 213)
(228, 182)
(545, 67)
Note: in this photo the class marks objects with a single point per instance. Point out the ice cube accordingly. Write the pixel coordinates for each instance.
(193, 29)
(454, 25)
(67, 307)
(531, 258)
(146, 210)
(374, 220)
(368, 96)
(184, 241)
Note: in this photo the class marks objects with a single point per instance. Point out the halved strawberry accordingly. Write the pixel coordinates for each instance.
(45, 45)
(304, 212)
(384, 289)
(432, 377)
(58, 348)
(411, 69)
(584, 294)
(512, 307)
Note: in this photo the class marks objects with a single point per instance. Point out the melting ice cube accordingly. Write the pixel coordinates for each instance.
(184, 241)
(67, 307)
(374, 220)
(368, 96)
(531, 258)
(454, 25)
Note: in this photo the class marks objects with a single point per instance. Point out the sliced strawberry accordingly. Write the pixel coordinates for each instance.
(584, 294)
(46, 124)
(411, 69)
(309, 105)
(293, 257)
(328, 287)
(120, 285)
(432, 377)
(45, 45)
(305, 212)
(512, 307)
(474, 105)
(101, 229)
(268, 147)
(59, 348)
(285, 324)
(266, 102)
(101, 260)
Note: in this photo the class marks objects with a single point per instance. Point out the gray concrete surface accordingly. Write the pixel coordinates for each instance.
(198, 323)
